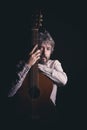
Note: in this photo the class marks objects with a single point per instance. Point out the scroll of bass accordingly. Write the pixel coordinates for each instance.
(36, 89)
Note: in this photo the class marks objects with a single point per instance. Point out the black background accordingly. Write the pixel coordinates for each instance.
(66, 22)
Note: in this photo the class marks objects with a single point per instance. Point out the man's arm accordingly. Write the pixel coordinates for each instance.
(55, 73)
(33, 57)
(18, 82)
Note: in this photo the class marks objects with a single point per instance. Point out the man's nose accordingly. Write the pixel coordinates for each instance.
(44, 51)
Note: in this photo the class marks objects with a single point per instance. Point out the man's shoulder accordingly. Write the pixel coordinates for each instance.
(56, 61)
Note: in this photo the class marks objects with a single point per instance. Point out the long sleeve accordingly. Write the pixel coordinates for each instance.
(54, 72)
(17, 84)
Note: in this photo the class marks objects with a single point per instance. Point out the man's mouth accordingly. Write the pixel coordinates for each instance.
(44, 58)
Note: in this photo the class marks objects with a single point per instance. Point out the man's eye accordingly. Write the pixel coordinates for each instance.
(48, 48)
(41, 48)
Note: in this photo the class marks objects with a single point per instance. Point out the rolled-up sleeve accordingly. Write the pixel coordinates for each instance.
(55, 72)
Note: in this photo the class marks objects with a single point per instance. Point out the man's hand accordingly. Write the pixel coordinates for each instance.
(34, 56)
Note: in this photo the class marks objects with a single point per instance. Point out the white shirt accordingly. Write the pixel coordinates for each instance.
(52, 69)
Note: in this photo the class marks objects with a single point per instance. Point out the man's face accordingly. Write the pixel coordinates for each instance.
(46, 50)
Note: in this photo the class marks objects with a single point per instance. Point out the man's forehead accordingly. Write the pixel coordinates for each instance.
(46, 43)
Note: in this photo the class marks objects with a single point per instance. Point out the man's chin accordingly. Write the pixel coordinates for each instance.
(43, 61)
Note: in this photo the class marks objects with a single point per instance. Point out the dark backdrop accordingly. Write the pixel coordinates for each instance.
(66, 22)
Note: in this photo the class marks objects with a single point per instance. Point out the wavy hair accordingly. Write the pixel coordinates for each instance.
(46, 37)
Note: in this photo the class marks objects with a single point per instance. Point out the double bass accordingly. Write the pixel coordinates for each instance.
(34, 94)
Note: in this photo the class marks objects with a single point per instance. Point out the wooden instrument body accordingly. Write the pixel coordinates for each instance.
(37, 107)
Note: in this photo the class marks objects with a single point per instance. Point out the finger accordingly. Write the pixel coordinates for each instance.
(37, 52)
(33, 49)
(34, 57)
(38, 58)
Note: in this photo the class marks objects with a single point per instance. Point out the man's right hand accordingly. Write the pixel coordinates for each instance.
(34, 56)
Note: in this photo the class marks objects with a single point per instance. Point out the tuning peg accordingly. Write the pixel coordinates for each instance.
(40, 24)
(41, 16)
(41, 20)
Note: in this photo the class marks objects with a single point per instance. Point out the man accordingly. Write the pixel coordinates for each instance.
(50, 68)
